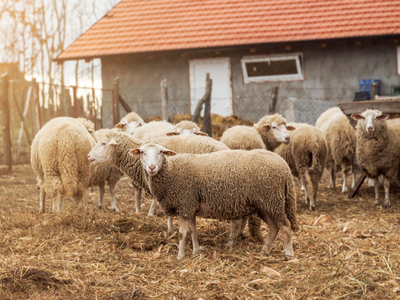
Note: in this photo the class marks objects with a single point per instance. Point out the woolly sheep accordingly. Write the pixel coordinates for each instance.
(268, 133)
(129, 123)
(186, 128)
(306, 156)
(378, 148)
(341, 141)
(326, 115)
(105, 173)
(114, 153)
(58, 157)
(230, 185)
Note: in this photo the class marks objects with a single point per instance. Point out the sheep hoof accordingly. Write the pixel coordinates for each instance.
(180, 257)
(345, 190)
(312, 208)
(376, 203)
(231, 243)
(100, 207)
(137, 211)
(115, 209)
(386, 205)
(151, 213)
(258, 238)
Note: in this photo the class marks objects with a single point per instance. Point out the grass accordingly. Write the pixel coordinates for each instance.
(351, 252)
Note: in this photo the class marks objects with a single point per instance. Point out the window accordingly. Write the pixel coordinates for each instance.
(284, 67)
(398, 60)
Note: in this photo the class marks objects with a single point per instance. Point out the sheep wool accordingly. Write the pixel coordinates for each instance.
(59, 159)
(242, 138)
(306, 156)
(153, 130)
(326, 115)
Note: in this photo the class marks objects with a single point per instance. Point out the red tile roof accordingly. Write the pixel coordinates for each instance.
(157, 25)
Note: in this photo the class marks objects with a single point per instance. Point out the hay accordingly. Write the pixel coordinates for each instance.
(347, 249)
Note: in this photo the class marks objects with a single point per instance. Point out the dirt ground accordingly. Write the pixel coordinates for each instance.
(351, 252)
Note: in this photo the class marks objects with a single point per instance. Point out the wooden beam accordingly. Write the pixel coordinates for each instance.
(357, 107)
(124, 104)
(5, 108)
(359, 182)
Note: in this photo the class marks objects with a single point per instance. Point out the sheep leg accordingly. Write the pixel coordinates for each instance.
(255, 228)
(57, 203)
(170, 225)
(183, 229)
(332, 177)
(386, 185)
(138, 196)
(101, 197)
(273, 232)
(242, 226)
(370, 182)
(152, 207)
(304, 188)
(195, 237)
(287, 240)
(113, 201)
(345, 172)
(376, 185)
(42, 201)
(353, 180)
(235, 228)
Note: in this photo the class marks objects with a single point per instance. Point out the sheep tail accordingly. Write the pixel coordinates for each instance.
(315, 162)
(291, 204)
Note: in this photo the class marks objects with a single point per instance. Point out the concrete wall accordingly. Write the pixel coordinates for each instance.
(331, 74)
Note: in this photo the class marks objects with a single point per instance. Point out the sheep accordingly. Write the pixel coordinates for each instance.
(229, 185)
(186, 128)
(268, 133)
(58, 157)
(129, 123)
(188, 144)
(105, 173)
(341, 141)
(326, 115)
(378, 148)
(305, 156)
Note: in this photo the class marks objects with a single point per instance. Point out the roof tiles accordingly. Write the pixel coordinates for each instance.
(158, 25)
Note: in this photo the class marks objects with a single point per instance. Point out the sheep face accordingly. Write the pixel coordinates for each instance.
(101, 152)
(280, 131)
(369, 119)
(129, 128)
(151, 156)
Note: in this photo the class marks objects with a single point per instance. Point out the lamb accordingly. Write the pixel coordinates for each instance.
(341, 141)
(378, 148)
(306, 156)
(115, 155)
(129, 123)
(268, 133)
(153, 130)
(105, 173)
(229, 185)
(58, 157)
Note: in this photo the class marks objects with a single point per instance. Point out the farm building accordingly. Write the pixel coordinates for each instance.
(316, 51)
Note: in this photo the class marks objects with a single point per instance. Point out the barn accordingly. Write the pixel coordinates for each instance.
(314, 51)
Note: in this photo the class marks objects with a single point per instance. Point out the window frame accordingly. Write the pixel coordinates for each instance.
(274, 57)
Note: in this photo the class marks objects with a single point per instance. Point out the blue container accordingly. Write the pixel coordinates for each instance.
(366, 86)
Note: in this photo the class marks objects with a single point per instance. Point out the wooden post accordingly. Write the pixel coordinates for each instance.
(38, 104)
(207, 94)
(124, 104)
(207, 107)
(75, 102)
(374, 90)
(274, 96)
(5, 108)
(164, 100)
(23, 122)
(115, 86)
(94, 109)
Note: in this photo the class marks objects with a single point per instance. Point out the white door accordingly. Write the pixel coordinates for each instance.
(221, 93)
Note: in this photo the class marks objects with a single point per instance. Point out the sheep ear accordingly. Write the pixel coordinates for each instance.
(357, 117)
(290, 128)
(135, 152)
(90, 130)
(119, 125)
(382, 117)
(169, 152)
(267, 126)
(112, 142)
(201, 133)
(172, 133)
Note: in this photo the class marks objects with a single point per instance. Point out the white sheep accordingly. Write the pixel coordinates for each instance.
(341, 141)
(305, 156)
(229, 185)
(129, 123)
(58, 157)
(378, 148)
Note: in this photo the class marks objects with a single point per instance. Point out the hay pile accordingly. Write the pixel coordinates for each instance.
(347, 249)
(218, 123)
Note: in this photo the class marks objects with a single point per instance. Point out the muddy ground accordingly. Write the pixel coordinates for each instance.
(351, 252)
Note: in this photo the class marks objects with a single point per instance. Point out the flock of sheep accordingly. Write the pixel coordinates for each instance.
(244, 178)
